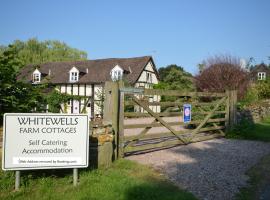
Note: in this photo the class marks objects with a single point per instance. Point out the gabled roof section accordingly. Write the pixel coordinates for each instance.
(74, 69)
(154, 68)
(98, 70)
(36, 71)
(253, 74)
(117, 67)
(260, 68)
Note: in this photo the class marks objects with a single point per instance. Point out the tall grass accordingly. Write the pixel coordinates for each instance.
(125, 180)
(246, 130)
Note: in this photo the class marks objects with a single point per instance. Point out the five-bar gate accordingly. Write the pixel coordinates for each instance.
(152, 119)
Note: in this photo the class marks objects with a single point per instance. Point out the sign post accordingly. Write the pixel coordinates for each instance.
(75, 176)
(45, 141)
(17, 180)
(187, 113)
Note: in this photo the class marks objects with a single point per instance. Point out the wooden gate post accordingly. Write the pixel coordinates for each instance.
(111, 111)
(233, 108)
(114, 114)
(121, 121)
(121, 106)
(108, 103)
(227, 115)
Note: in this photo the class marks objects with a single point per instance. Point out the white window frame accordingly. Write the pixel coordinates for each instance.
(36, 77)
(117, 73)
(261, 75)
(73, 75)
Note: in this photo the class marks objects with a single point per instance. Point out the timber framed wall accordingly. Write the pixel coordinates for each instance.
(90, 97)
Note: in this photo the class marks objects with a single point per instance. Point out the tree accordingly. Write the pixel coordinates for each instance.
(36, 52)
(222, 73)
(15, 96)
(175, 77)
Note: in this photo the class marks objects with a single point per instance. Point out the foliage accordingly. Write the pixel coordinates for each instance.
(175, 77)
(263, 89)
(125, 180)
(36, 52)
(222, 73)
(16, 96)
(250, 97)
(100, 98)
(256, 92)
(247, 130)
(54, 100)
(258, 183)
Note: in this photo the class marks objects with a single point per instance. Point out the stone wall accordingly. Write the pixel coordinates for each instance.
(101, 146)
(254, 112)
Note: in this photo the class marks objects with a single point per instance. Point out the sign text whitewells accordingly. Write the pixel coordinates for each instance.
(44, 141)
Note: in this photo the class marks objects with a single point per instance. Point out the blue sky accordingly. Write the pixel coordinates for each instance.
(182, 32)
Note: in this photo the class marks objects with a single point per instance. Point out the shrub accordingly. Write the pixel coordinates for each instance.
(222, 73)
(250, 97)
(263, 88)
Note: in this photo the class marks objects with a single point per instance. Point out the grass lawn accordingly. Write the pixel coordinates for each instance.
(258, 131)
(259, 182)
(259, 187)
(124, 180)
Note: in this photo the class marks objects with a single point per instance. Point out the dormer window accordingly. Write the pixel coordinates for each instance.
(261, 76)
(36, 77)
(74, 75)
(117, 73)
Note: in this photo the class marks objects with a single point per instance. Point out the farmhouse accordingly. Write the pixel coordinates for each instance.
(87, 78)
(260, 72)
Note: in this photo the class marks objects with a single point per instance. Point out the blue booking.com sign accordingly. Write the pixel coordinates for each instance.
(187, 113)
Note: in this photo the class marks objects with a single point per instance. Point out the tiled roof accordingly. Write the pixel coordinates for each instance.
(98, 70)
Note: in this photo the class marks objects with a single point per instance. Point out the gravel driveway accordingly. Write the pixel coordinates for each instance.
(212, 170)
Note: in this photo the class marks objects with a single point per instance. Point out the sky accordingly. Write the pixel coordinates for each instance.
(182, 32)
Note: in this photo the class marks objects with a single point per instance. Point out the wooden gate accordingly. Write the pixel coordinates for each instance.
(151, 119)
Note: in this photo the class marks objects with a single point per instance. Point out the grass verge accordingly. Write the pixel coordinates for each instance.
(259, 183)
(246, 130)
(125, 180)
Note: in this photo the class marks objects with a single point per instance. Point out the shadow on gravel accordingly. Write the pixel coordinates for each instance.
(217, 169)
(213, 169)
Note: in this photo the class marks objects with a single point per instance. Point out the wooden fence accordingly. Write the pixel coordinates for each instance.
(141, 124)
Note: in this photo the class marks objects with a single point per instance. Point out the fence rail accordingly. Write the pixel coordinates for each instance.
(180, 93)
(212, 114)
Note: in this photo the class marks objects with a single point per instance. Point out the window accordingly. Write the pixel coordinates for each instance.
(116, 73)
(261, 76)
(74, 76)
(36, 76)
(148, 77)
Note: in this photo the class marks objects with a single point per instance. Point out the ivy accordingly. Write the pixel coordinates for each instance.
(55, 99)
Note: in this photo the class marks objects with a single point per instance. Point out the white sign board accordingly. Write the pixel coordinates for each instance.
(45, 141)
